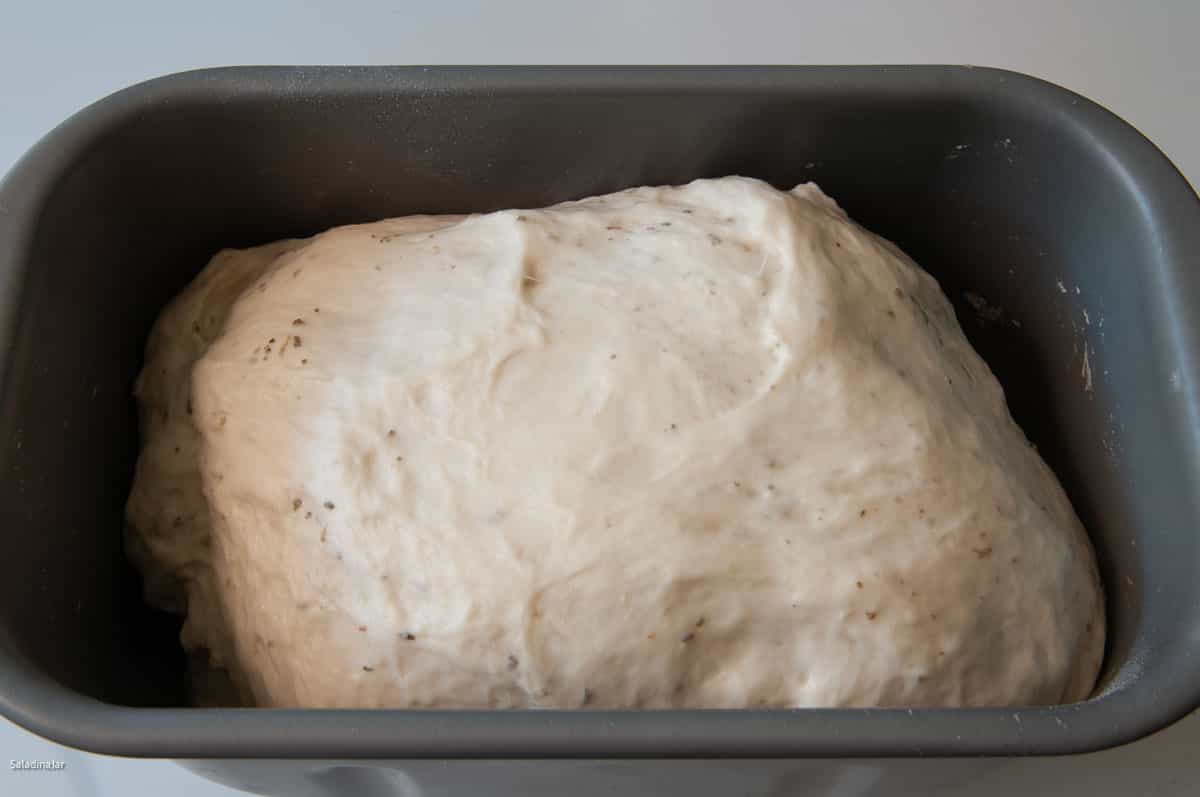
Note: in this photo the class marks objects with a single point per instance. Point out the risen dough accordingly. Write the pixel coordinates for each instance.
(708, 446)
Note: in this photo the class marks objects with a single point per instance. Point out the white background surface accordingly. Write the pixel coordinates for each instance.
(1141, 60)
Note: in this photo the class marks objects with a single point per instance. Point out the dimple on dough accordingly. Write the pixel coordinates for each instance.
(701, 446)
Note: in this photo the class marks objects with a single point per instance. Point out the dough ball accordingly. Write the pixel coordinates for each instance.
(700, 446)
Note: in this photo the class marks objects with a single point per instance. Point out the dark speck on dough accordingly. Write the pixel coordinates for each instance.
(304, 361)
(297, 322)
(983, 553)
(872, 615)
(522, 218)
(899, 293)
(587, 696)
(329, 505)
(407, 637)
(858, 584)
(688, 637)
(362, 628)
(700, 623)
(296, 341)
(862, 513)
(512, 662)
(368, 669)
(391, 433)
(296, 502)
(308, 515)
(715, 240)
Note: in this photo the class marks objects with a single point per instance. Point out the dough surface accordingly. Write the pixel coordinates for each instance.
(701, 446)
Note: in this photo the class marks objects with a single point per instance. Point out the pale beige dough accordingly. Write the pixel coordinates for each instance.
(705, 446)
